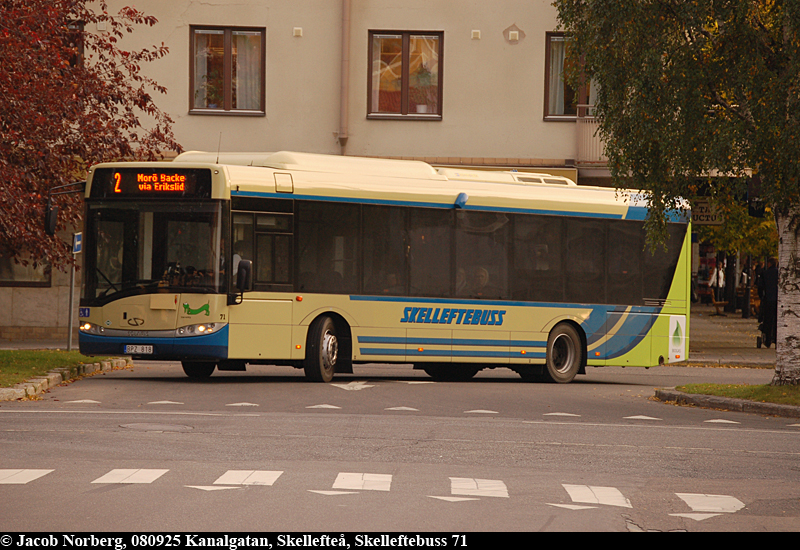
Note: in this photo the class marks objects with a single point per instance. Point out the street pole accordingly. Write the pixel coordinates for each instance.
(77, 246)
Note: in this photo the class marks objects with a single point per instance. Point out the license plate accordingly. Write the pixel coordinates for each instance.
(138, 349)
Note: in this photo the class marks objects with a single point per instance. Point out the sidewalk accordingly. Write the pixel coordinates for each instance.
(725, 340)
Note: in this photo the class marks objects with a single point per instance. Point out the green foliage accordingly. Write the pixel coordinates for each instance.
(689, 89)
(19, 365)
(757, 237)
(785, 395)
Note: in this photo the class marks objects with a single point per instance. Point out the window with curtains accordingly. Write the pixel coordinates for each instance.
(405, 75)
(560, 99)
(227, 70)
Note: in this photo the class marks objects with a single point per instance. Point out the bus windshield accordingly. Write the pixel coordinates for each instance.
(145, 247)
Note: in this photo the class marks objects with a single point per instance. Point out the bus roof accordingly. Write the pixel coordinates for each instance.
(412, 183)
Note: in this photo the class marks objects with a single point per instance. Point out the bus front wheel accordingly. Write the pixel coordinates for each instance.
(322, 350)
(198, 369)
(564, 354)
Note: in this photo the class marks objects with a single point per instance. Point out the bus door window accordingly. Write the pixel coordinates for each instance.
(273, 246)
(481, 255)
(242, 239)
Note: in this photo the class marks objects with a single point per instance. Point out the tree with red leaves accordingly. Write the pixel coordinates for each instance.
(70, 97)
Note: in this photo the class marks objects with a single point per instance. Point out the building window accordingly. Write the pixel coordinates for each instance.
(405, 75)
(16, 274)
(227, 71)
(560, 99)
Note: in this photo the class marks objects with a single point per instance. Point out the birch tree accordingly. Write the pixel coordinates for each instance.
(689, 90)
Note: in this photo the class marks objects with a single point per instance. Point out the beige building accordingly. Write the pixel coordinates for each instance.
(467, 83)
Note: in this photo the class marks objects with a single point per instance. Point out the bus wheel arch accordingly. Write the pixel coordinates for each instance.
(328, 348)
(566, 353)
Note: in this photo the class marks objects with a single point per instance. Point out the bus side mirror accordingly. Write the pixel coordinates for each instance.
(244, 275)
(50, 218)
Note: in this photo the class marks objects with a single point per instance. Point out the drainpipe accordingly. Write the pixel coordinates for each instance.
(345, 84)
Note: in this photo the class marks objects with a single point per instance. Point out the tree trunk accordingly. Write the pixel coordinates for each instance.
(787, 346)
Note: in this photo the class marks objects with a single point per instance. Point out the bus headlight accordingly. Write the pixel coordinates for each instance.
(91, 328)
(197, 330)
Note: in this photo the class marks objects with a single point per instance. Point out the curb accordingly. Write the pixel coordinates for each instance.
(727, 403)
(40, 384)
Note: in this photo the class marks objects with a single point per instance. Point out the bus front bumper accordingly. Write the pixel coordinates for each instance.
(208, 346)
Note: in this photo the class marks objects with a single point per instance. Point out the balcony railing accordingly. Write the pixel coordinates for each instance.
(590, 147)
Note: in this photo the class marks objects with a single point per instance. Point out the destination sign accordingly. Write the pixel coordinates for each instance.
(109, 183)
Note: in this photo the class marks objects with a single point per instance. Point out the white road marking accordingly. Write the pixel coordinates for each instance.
(353, 386)
(363, 482)
(720, 421)
(481, 411)
(20, 477)
(83, 401)
(400, 409)
(324, 406)
(248, 477)
(165, 403)
(696, 517)
(478, 487)
(420, 382)
(333, 493)
(572, 506)
(453, 499)
(597, 495)
(131, 476)
(244, 404)
(641, 417)
(210, 487)
(711, 503)
(560, 414)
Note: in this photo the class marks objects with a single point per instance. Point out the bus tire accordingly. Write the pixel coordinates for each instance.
(564, 354)
(451, 372)
(322, 350)
(198, 369)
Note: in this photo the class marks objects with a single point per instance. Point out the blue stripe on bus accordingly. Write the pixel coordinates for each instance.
(413, 300)
(386, 202)
(448, 342)
(395, 352)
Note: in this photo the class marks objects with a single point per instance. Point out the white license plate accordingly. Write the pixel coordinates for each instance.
(136, 349)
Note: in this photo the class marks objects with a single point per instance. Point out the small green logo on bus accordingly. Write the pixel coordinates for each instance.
(202, 309)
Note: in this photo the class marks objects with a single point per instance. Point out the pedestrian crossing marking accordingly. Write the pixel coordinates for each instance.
(165, 403)
(641, 417)
(333, 493)
(481, 411)
(21, 477)
(572, 506)
(597, 495)
(363, 482)
(248, 477)
(699, 502)
(210, 487)
(131, 476)
(454, 499)
(401, 409)
(561, 414)
(720, 421)
(242, 405)
(478, 487)
(323, 406)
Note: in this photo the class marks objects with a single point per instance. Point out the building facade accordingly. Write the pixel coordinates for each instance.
(468, 83)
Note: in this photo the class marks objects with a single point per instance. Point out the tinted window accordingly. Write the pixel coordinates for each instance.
(625, 248)
(659, 268)
(585, 261)
(429, 251)
(328, 237)
(385, 269)
(482, 255)
(538, 272)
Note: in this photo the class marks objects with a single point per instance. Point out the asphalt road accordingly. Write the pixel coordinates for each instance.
(386, 449)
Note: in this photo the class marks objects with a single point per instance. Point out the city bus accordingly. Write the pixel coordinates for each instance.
(322, 263)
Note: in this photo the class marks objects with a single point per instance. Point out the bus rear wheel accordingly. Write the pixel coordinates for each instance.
(322, 350)
(451, 372)
(564, 354)
(198, 369)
